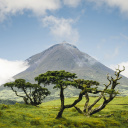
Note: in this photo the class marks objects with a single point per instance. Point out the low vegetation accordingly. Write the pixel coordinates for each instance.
(115, 115)
(98, 111)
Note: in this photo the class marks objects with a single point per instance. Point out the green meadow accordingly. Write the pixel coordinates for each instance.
(115, 115)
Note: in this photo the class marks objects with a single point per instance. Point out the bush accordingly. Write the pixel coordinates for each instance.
(4, 107)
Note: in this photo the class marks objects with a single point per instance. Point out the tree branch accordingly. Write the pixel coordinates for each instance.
(16, 93)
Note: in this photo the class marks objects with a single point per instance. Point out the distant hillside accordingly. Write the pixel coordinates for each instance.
(68, 57)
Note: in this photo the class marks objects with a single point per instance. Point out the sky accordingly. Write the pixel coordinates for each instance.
(97, 27)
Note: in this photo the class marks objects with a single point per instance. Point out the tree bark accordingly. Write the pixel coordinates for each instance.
(91, 112)
(87, 101)
(68, 106)
(16, 92)
(95, 102)
(76, 101)
(24, 98)
(62, 103)
(99, 108)
(28, 96)
(59, 115)
(78, 109)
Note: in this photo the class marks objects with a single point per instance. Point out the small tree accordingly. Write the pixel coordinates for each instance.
(33, 93)
(108, 93)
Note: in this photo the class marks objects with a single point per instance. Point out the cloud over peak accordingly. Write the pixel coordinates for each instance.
(61, 28)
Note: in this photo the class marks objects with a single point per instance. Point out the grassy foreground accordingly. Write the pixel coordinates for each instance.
(27, 116)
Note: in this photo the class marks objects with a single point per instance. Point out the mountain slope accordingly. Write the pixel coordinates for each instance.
(67, 57)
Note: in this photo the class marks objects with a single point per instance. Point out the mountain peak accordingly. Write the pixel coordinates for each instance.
(65, 56)
(64, 43)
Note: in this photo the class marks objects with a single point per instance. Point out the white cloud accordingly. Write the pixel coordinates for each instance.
(10, 68)
(72, 3)
(121, 4)
(125, 64)
(61, 28)
(38, 7)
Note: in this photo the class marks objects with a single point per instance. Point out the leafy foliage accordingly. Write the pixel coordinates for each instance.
(33, 93)
(87, 85)
(59, 78)
(62, 80)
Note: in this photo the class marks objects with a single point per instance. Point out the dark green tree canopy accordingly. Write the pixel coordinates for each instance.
(33, 93)
(89, 86)
(59, 78)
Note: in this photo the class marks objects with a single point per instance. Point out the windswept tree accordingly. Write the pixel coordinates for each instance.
(107, 94)
(87, 86)
(61, 80)
(33, 93)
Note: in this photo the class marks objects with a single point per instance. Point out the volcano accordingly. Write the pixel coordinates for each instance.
(65, 56)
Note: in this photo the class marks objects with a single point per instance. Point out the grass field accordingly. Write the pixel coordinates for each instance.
(43, 116)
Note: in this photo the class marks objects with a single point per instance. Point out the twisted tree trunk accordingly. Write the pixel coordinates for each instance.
(62, 103)
(87, 101)
(68, 106)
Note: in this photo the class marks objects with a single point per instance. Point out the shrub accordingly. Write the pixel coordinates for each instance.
(4, 107)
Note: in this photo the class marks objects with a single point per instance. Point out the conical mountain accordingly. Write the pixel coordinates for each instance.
(67, 57)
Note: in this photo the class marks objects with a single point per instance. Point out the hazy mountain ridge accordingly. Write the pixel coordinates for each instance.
(68, 57)
(59, 57)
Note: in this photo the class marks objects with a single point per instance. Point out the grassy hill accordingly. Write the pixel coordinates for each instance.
(43, 116)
